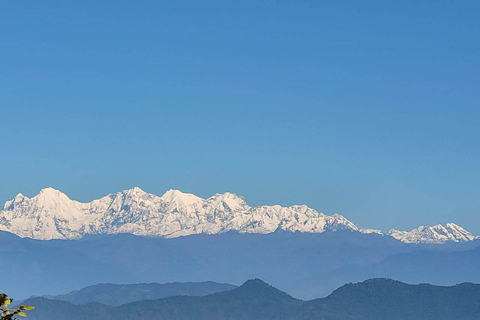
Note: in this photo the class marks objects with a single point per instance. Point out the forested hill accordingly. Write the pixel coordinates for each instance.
(376, 299)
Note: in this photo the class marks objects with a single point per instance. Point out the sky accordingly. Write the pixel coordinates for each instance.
(368, 108)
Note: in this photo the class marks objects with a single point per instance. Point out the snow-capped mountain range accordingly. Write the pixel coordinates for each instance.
(434, 234)
(53, 215)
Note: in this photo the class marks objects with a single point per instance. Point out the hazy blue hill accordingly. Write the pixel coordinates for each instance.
(64, 310)
(379, 299)
(56, 266)
(376, 299)
(304, 265)
(253, 300)
(420, 266)
(115, 294)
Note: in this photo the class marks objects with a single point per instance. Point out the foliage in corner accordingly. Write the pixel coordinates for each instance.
(9, 314)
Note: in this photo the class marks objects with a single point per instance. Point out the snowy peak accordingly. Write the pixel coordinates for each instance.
(51, 214)
(434, 234)
(135, 191)
(227, 201)
(48, 215)
(15, 201)
(50, 196)
(47, 199)
(180, 198)
(50, 192)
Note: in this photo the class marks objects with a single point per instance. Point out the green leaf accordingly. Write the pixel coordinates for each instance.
(27, 307)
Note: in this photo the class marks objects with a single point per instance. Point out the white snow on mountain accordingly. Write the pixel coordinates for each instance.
(53, 215)
(371, 231)
(434, 234)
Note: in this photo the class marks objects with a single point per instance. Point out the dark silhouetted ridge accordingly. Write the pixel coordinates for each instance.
(258, 289)
(376, 299)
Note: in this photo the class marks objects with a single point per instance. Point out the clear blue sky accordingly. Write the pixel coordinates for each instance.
(366, 108)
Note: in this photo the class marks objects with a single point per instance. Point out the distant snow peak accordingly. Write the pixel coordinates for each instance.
(53, 215)
(434, 234)
(176, 196)
(51, 195)
(15, 201)
(134, 191)
(49, 191)
(372, 231)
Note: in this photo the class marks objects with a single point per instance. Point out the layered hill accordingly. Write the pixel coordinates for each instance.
(118, 294)
(306, 265)
(376, 299)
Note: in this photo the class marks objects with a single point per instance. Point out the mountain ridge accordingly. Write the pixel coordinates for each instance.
(51, 214)
(374, 299)
(118, 294)
(434, 234)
